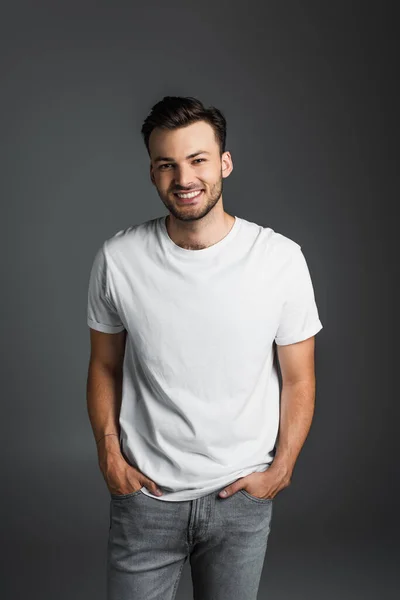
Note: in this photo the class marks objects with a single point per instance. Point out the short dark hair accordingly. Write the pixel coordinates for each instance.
(177, 111)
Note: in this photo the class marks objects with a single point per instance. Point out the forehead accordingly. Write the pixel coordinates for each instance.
(180, 142)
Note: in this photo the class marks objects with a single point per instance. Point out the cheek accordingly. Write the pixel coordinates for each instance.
(208, 175)
(164, 183)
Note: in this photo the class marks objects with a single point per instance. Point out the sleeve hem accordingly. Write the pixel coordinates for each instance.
(104, 328)
(304, 335)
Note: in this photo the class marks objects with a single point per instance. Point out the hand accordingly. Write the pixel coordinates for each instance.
(121, 477)
(261, 485)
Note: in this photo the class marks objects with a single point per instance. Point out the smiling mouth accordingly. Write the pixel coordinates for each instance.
(192, 193)
(188, 196)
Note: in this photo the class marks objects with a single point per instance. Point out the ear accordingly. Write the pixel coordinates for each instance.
(227, 164)
(152, 175)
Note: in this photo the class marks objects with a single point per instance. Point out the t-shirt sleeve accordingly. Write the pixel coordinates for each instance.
(101, 312)
(299, 319)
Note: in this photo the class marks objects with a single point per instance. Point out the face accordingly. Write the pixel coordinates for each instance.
(185, 160)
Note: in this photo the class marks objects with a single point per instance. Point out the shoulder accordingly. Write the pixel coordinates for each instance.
(280, 246)
(283, 244)
(128, 240)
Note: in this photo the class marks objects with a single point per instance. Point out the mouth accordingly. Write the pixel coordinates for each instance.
(188, 197)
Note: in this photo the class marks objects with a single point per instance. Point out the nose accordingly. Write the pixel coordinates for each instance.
(183, 177)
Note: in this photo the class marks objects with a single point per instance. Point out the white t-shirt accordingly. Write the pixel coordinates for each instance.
(200, 398)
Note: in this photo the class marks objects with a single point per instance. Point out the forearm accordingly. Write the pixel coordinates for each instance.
(104, 388)
(297, 409)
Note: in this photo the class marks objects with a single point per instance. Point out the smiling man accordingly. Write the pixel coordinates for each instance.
(189, 315)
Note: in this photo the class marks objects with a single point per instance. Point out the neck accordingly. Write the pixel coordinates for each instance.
(201, 233)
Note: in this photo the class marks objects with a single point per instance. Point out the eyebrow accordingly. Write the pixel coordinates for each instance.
(160, 158)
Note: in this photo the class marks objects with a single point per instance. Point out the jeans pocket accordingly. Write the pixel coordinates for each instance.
(254, 498)
(126, 496)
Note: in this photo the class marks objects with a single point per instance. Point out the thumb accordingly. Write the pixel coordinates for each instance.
(231, 489)
(151, 486)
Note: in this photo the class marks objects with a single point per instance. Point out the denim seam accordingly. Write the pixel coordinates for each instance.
(177, 581)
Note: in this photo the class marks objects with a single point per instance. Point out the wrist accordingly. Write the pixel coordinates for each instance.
(283, 464)
(108, 444)
(104, 435)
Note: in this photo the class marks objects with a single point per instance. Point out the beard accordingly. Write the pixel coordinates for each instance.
(197, 211)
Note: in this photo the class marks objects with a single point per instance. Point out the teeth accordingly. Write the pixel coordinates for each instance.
(191, 195)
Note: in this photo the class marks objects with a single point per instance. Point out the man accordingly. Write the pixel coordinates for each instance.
(188, 314)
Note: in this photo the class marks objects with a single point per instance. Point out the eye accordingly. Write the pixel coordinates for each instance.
(161, 167)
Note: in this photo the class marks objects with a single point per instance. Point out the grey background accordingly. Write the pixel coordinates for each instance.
(307, 89)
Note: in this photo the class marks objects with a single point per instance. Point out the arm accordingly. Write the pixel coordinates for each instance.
(104, 385)
(297, 401)
(299, 322)
(297, 407)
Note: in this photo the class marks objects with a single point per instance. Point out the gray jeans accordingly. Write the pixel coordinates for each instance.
(150, 541)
